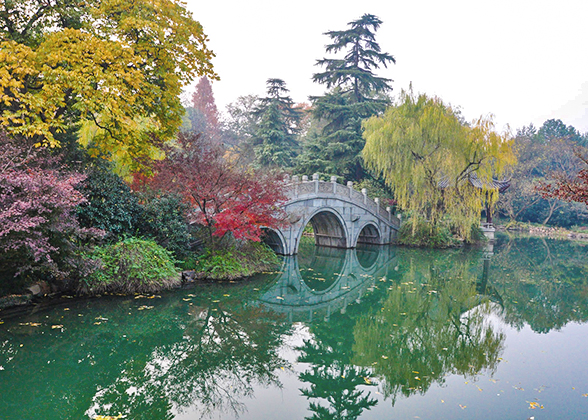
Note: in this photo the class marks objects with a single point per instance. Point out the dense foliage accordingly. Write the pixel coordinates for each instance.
(109, 203)
(354, 93)
(236, 261)
(224, 196)
(274, 141)
(437, 166)
(131, 265)
(115, 67)
(39, 233)
(546, 156)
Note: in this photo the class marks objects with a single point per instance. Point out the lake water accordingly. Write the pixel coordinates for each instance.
(374, 333)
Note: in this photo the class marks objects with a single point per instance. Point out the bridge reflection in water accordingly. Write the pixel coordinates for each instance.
(317, 283)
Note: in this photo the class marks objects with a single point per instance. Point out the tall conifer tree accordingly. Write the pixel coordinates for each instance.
(204, 116)
(355, 93)
(275, 142)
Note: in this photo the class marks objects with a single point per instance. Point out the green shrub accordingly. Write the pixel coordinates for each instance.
(165, 223)
(238, 261)
(131, 266)
(111, 205)
(426, 235)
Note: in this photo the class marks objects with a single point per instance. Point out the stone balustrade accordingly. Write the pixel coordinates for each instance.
(298, 187)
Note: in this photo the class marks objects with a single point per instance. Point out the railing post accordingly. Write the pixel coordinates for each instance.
(377, 200)
(296, 181)
(334, 181)
(389, 210)
(350, 186)
(315, 178)
(364, 192)
(304, 178)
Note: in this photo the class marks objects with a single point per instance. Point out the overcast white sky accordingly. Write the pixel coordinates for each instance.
(525, 61)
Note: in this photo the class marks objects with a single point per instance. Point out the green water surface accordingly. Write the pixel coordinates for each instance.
(372, 333)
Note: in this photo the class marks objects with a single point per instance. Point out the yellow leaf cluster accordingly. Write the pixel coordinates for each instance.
(117, 79)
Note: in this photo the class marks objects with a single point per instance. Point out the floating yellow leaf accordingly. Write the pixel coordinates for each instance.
(534, 405)
(141, 308)
(462, 406)
(279, 297)
(367, 380)
(54, 327)
(585, 395)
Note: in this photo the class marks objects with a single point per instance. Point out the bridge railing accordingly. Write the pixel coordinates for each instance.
(300, 187)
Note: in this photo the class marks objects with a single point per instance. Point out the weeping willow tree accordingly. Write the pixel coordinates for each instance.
(438, 167)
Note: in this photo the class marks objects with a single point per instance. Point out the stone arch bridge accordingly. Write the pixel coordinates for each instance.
(340, 216)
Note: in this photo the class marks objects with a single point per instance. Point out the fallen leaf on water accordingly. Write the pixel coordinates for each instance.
(54, 327)
(226, 295)
(186, 299)
(462, 406)
(141, 308)
(479, 389)
(279, 297)
(585, 395)
(442, 401)
(97, 323)
(384, 357)
(215, 301)
(533, 405)
(367, 380)
(66, 309)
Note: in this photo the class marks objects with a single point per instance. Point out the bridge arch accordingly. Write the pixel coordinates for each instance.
(368, 234)
(329, 229)
(341, 217)
(275, 240)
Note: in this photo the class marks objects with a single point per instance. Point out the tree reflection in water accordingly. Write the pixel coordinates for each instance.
(543, 282)
(430, 322)
(397, 323)
(226, 350)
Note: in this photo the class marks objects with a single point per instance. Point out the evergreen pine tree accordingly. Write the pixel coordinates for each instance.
(275, 142)
(355, 93)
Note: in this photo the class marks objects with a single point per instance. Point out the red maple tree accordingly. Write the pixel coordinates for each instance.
(225, 196)
(39, 231)
(568, 188)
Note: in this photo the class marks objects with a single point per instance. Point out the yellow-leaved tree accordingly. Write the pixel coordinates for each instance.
(113, 69)
(438, 167)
